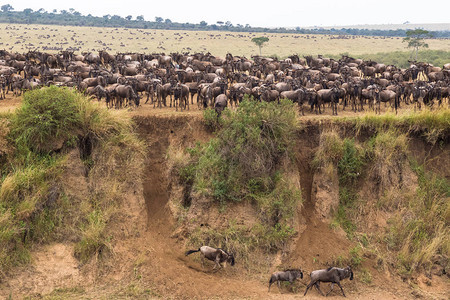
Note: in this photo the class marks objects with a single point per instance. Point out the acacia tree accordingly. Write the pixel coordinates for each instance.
(6, 7)
(260, 42)
(415, 39)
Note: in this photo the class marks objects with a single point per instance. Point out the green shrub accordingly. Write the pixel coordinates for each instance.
(345, 156)
(365, 275)
(251, 144)
(245, 162)
(355, 256)
(210, 118)
(47, 117)
(351, 163)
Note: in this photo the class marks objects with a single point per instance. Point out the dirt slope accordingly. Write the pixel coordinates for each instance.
(316, 243)
(154, 258)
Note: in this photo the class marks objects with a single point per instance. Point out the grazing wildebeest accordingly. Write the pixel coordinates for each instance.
(332, 274)
(126, 92)
(216, 255)
(220, 104)
(269, 95)
(287, 275)
(100, 92)
(328, 96)
(296, 96)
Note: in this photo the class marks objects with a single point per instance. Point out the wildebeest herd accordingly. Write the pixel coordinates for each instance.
(170, 80)
(333, 275)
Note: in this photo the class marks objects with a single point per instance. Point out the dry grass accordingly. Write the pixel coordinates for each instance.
(115, 165)
(431, 124)
(330, 151)
(4, 129)
(388, 155)
(219, 43)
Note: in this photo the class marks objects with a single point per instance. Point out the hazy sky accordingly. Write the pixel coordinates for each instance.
(278, 13)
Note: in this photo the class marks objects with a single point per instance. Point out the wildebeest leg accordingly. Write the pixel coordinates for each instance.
(341, 289)
(317, 285)
(332, 286)
(217, 261)
(279, 285)
(270, 283)
(215, 268)
(309, 286)
(202, 260)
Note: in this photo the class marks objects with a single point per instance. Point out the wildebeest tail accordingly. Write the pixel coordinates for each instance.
(192, 251)
(272, 279)
(396, 101)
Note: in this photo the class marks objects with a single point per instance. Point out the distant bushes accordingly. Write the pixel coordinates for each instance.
(400, 58)
(28, 16)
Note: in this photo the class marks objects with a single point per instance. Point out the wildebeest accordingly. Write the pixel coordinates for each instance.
(162, 91)
(332, 274)
(220, 104)
(3, 86)
(181, 96)
(386, 96)
(296, 96)
(328, 96)
(216, 255)
(126, 92)
(287, 275)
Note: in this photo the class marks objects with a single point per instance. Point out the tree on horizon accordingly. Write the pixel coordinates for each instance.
(415, 39)
(6, 7)
(259, 41)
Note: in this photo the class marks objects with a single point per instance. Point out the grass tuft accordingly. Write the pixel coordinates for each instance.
(47, 117)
